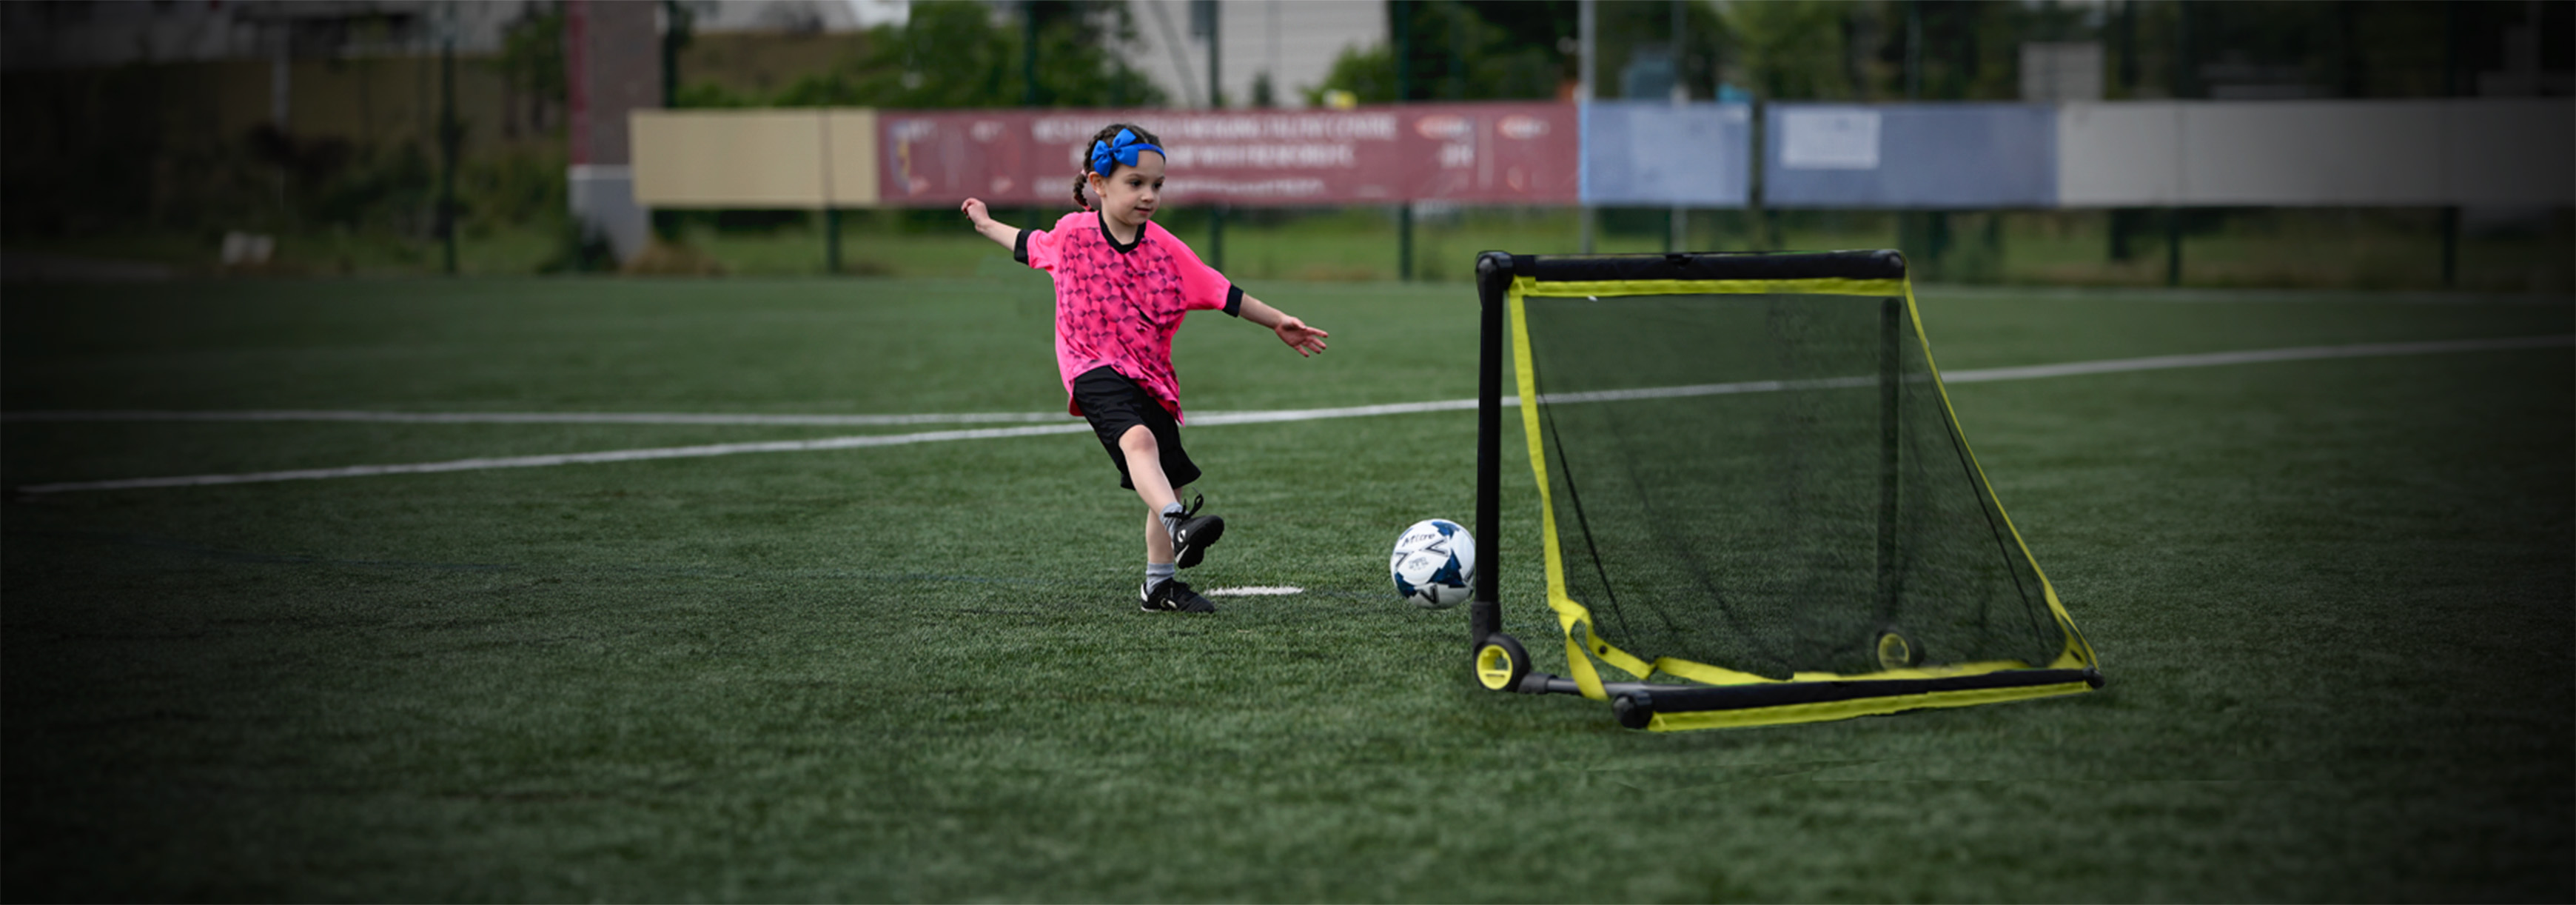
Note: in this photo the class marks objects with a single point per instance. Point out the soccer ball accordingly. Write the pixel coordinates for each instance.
(1434, 564)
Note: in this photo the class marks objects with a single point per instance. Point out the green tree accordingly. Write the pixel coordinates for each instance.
(954, 53)
(1627, 28)
(1525, 49)
(531, 64)
(1792, 49)
(1453, 53)
(1080, 61)
(1366, 72)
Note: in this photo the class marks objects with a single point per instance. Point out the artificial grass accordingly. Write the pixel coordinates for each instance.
(2332, 597)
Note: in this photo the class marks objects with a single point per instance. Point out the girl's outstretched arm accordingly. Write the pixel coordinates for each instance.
(1306, 340)
(995, 230)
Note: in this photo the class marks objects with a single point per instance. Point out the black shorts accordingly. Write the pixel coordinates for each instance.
(1114, 404)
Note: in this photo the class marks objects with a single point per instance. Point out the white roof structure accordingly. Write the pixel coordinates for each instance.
(1293, 40)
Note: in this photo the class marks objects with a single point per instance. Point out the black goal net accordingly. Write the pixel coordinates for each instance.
(1752, 475)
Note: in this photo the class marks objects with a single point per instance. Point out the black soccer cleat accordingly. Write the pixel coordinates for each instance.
(1175, 596)
(1192, 533)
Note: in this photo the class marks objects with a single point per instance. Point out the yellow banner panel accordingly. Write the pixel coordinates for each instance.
(728, 158)
(850, 157)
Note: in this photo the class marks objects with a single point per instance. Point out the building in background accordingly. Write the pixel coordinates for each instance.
(613, 67)
(1290, 42)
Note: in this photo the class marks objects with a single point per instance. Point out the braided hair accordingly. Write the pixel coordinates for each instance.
(1082, 177)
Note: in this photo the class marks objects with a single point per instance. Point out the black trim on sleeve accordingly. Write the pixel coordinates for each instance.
(1234, 301)
(1020, 247)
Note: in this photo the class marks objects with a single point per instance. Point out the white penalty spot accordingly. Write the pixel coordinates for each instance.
(1256, 591)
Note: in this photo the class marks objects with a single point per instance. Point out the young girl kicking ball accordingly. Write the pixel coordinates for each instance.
(1122, 285)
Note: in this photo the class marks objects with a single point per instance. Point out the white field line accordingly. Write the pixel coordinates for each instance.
(621, 455)
(2073, 368)
(2253, 356)
(1259, 590)
(1975, 375)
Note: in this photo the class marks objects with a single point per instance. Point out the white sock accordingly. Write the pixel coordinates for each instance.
(1158, 572)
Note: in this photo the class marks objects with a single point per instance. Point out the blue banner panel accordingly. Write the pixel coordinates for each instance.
(1932, 156)
(1655, 154)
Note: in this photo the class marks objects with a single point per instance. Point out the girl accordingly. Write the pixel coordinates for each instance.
(1121, 287)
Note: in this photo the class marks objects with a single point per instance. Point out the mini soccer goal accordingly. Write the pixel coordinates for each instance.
(1753, 496)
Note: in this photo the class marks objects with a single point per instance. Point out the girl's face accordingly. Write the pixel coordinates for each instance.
(1129, 194)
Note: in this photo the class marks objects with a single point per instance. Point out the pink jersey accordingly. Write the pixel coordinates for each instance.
(1118, 305)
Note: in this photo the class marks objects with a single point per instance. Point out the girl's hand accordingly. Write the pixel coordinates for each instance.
(1306, 340)
(975, 212)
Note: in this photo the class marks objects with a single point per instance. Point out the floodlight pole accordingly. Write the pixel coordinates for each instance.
(1587, 36)
(1913, 49)
(1028, 53)
(448, 135)
(1400, 26)
(1216, 100)
(1673, 232)
(675, 35)
(2452, 85)
(2186, 85)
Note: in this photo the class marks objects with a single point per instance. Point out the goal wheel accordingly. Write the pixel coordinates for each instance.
(1501, 663)
(1895, 652)
(1635, 709)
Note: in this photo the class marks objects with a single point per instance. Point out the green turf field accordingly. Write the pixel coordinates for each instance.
(2333, 599)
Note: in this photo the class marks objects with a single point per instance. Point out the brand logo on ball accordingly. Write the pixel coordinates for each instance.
(1434, 564)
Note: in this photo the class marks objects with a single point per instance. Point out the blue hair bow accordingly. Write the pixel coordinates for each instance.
(1124, 149)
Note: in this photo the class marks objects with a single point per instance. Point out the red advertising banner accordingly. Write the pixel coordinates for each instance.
(1492, 153)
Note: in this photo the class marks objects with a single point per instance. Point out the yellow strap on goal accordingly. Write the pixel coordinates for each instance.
(1574, 619)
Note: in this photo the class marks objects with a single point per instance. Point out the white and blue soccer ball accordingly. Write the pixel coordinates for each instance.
(1434, 564)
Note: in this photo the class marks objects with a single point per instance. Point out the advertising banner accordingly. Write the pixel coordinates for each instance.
(1487, 153)
(1655, 154)
(1956, 156)
(1949, 155)
(690, 158)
